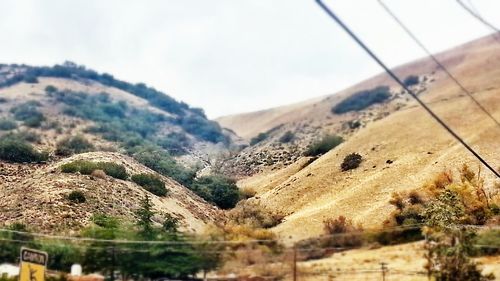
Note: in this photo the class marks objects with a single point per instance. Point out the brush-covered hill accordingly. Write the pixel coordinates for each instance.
(401, 146)
(51, 116)
(279, 136)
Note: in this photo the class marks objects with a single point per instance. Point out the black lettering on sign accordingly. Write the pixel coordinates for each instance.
(33, 256)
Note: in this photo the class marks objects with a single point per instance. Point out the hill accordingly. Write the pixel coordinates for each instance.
(401, 151)
(50, 116)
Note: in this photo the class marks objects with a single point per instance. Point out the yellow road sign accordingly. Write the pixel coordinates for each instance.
(33, 263)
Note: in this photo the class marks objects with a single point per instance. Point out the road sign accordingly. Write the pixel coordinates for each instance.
(33, 263)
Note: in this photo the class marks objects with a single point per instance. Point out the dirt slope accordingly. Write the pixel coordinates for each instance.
(37, 196)
(414, 143)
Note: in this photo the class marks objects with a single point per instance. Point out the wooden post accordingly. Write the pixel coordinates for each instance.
(384, 268)
(294, 262)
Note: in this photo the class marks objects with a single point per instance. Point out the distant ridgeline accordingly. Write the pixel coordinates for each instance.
(192, 120)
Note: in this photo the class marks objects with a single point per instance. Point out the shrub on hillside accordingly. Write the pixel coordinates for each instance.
(254, 214)
(163, 163)
(489, 237)
(86, 168)
(50, 89)
(76, 197)
(7, 124)
(114, 170)
(340, 232)
(151, 183)
(175, 143)
(411, 80)
(73, 145)
(29, 136)
(218, 189)
(17, 150)
(30, 79)
(362, 100)
(260, 137)
(323, 145)
(28, 113)
(287, 137)
(351, 161)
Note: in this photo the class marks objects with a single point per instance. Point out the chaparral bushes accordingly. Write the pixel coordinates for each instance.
(323, 145)
(17, 150)
(28, 113)
(151, 183)
(7, 124)
(351, 161)
(362, 100)
(217, 189)
(73, 145)
(76, 197)
(86, 167)
(411, 80)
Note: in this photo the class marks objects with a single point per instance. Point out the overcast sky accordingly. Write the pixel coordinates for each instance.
(230, 56)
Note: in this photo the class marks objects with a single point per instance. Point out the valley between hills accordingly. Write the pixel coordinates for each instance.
(76, 144)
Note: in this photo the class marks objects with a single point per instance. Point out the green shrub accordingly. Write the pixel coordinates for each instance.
(7, 124)
(351, 161)
(17, 150)
(72, 167)
(170, 224)
(362, 100)
(162, 162)
(76, 197)
(105, 221)
(28, 136)
(287, 137)
(28, 113)
(50, 89)
(411, 80)
(151, 183)
(114, 170)
(175, 143)
(324, 145)
(73, 145)
(30, 79)
(111, 169)
(218, 189)
(491, 238)
(260, 137)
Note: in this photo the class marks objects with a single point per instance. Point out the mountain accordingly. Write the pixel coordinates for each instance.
(69, 131)
(401, 146)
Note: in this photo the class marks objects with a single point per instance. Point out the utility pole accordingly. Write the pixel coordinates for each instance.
(112, 271)
(295, 262)
(383, 266)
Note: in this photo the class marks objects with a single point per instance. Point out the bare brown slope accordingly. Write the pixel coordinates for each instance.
(318, 110)
(417, 145)
(37, 196)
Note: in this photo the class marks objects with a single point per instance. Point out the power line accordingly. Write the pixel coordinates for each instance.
(191, 242)
(429, 53)
(410, 92)
(198, 241)
(480, 18)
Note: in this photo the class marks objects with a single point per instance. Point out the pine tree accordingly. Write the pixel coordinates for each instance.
(145, 218)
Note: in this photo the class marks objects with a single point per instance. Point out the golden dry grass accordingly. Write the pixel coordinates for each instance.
(417, 145)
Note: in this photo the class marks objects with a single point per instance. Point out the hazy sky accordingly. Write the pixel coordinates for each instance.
(230, 56)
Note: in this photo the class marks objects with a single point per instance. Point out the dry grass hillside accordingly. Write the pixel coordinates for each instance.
(37, 195)
(400, 152)
(463, 60)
